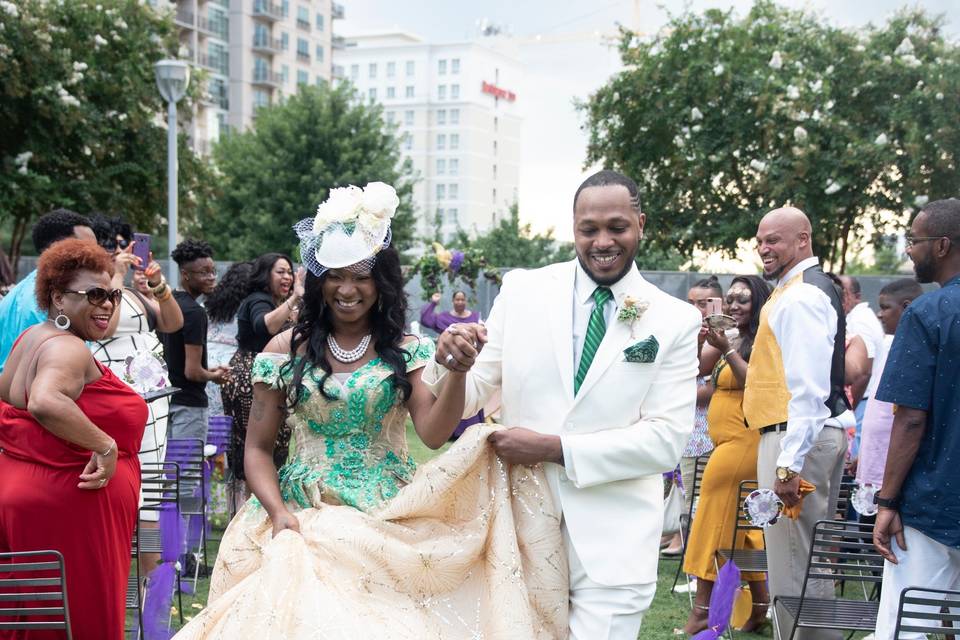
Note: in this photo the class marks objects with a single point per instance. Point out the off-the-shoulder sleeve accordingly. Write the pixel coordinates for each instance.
(266, 369)
(420, 352)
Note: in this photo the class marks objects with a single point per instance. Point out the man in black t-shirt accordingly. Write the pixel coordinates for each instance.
(186, 350)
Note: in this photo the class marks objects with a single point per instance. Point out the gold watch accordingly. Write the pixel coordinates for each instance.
(785, 474)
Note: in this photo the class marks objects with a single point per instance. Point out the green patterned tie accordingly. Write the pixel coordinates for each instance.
(595, 330)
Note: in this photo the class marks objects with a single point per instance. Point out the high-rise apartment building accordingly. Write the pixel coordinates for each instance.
(456, 112)
(254, 53)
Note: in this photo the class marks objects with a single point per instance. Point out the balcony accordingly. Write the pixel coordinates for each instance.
(216, 28)
(336, 11)
(303, 24)
(183, 18)
(267, 10)
(217, 64)
(338, 42)
(267, 45)
(303, 57)
(267, 79)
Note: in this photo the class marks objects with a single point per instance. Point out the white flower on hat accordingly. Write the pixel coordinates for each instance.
(342, 205)
(380, 200)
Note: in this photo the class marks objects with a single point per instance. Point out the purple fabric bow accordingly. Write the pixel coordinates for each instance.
(721, 602)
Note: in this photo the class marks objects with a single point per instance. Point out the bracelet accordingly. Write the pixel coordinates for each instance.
(165, 295)
(162, 283)
(290, 306)
(109, 449)
(886, 503)
(729, 351)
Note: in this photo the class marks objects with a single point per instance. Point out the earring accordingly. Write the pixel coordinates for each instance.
(62, 322)
(380, 304)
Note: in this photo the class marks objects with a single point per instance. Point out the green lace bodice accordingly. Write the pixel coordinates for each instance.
(350, 450)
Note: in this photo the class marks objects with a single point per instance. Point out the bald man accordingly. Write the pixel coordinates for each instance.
(794, 392)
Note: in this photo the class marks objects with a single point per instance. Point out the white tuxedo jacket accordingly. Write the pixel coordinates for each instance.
(627, 425)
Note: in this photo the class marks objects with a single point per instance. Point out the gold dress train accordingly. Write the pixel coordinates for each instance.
(734, 459)
(464, 547)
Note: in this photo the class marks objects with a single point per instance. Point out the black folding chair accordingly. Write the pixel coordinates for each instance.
(188, 453)
(935, 612)
(838, 551)
(33, 584)
(747, 560)
(686, 520)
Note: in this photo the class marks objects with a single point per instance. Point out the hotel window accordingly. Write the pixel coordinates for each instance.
(284, 41)
(372, 93)
(441, 141)
(303, 17)
(455, 66)
(454, 92)
(260, 98)
(441, 191)
(441, 116)
(454, 141)
(408, 117)
(284, 73)
(442, 92)
(452, 216)
(303, 77)
(441, 166)
(373, 70)
(408, 92)
(494, 195)
(494, 172)
(319, 22)
(439, 219)
(410, 67)
(442, 67)
(454, 116)
(391, 93)
(407, 142)
(354, 72)
(391, 117)
(319, 53)
(391, 69)
(454, 167)
(303, 50)
(454, 191)
(321, 81)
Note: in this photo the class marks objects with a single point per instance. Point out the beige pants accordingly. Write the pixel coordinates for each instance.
(788, 541)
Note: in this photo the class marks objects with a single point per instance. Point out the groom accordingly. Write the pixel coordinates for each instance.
(597, 369)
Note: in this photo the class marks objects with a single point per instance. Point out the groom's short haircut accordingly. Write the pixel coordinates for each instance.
(607, 178)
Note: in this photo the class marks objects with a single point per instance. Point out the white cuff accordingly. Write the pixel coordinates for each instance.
(568, 465)
(434, 377)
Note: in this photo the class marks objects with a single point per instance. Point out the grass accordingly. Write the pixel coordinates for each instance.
(667, 612)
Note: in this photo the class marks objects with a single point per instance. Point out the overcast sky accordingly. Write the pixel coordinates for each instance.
(572, 59)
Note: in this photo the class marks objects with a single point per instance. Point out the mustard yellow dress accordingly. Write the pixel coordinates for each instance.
(734, 459)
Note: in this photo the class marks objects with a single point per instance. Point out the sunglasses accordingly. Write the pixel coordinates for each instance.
(98, 295)
(743, 298)
(111, 245)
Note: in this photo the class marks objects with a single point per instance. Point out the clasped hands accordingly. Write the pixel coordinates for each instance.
(459, 345)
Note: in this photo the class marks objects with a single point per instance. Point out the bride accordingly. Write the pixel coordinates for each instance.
(349, 539)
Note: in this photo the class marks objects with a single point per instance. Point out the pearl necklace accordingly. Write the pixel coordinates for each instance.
(345, 356)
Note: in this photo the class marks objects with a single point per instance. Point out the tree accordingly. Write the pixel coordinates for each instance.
(721, 119)
(276, 175)
(513, 245)
(79, 113)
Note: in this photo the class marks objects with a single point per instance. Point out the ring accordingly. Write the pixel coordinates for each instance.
(449, 358)
(103, 481)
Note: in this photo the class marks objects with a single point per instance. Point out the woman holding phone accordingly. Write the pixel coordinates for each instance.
(132, 351)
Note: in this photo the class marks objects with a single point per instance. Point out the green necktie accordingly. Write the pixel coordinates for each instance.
(595, 330)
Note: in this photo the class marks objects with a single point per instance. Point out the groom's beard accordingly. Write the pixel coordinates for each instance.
(606, 281)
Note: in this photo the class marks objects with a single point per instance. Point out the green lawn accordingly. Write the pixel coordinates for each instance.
(668, 611)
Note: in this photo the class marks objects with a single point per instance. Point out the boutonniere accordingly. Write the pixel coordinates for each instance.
(631, 310)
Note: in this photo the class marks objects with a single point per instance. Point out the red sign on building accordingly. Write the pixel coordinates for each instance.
(497, 92)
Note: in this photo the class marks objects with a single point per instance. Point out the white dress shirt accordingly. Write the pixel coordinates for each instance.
(863, 322)
(583, 288)
(805, 325)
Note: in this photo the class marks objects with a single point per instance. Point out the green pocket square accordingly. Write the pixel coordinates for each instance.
(643, 351)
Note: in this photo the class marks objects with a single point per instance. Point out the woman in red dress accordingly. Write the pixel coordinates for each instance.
(69, 435)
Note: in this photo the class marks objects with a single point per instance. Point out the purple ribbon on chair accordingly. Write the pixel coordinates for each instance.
(159, 595)
(721, 602)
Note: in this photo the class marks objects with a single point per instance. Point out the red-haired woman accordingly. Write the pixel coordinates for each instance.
(69, 435)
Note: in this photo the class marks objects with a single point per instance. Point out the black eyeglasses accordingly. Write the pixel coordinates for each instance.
(111, 245)
(742, 298)
(98, 295)
(203, 273)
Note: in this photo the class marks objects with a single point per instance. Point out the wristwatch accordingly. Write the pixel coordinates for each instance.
(785, 474)
(887, 503)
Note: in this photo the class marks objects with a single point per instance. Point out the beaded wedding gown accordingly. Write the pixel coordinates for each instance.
(464, 547)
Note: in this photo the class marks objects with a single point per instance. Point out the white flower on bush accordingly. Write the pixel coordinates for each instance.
(829, 70)
(678, 140)
(832, 188)
(9, 8)
(342, 205)
(758, 165)
(80, 66)
(99, 41)
(905, 47)
(718, 69)
(887, 59)
(829, 105)
(696, 114)
(816, 86)
(87, 151)
(793, 93)
(881, 140)
(21, 162)
(776, 61)
(910, 60)
(121, 23)
(939, 95)
(920, 201)
(800, 134)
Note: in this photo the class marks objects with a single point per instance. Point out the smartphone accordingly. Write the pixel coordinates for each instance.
(141, 249)
(714, 306)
